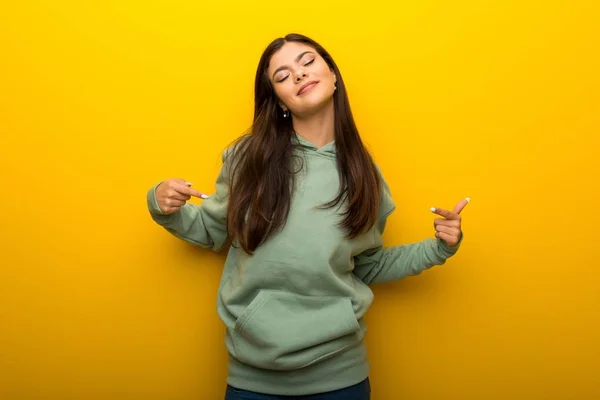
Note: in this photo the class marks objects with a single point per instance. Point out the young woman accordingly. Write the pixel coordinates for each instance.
(305, 207)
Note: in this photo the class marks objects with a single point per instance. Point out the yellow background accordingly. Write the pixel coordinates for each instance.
(496, 100)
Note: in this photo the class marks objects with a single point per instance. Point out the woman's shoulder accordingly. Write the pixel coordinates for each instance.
(235, 148)
(386, 203)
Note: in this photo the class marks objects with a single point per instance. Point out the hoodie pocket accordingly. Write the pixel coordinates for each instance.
(285, 331)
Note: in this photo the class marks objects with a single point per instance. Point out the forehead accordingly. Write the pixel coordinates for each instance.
(287, 54)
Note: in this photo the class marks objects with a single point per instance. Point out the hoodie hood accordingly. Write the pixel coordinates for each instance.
(328, 150)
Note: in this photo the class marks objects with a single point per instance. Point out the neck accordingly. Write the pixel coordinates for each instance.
(317, 128)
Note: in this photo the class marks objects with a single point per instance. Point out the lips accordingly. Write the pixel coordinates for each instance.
(307, 86)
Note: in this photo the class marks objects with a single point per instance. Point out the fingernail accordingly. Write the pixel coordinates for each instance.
(189, 183)
(432, 209)
(204, 196)
(468, 199)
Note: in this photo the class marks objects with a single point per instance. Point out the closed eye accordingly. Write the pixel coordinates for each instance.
(285, 77)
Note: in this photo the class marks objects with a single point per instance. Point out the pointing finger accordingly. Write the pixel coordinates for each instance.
(188, 191)
(195, 193)
(446, 222)
(179, 196)
(201, 195)
(445, 213)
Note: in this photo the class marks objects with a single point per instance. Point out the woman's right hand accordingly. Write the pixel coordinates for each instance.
(172, 194)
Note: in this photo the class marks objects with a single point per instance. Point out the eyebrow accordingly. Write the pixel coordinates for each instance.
(296, 60)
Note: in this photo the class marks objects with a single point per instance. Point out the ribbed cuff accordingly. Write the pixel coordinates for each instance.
(152, 202)
(449, 250)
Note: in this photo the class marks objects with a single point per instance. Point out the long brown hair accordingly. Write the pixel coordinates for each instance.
(262, 175)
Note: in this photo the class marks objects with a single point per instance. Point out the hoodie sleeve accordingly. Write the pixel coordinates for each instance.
(204, 225)
(386, 264)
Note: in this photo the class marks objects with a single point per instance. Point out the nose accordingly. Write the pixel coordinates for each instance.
(300, 75)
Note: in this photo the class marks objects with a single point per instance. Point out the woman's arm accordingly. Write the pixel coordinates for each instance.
(387, 264)
(204, 225)
(380, 264)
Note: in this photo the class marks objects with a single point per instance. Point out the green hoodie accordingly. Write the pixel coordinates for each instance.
(294, 310)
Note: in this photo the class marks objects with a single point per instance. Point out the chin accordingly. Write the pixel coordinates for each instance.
(312, 110)
(315, 103)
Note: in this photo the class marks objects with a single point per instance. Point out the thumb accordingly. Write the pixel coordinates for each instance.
(461, 204)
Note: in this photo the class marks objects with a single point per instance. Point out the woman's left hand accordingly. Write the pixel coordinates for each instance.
(449, 228)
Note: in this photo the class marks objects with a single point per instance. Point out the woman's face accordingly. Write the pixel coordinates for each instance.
(302, 79)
